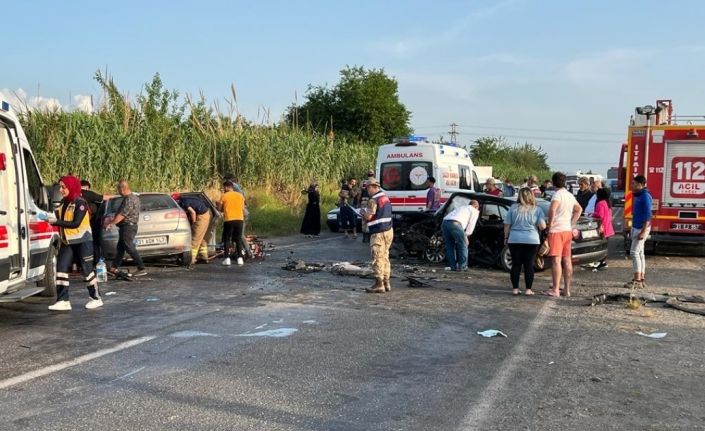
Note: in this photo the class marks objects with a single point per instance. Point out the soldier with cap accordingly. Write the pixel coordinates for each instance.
(378, 215)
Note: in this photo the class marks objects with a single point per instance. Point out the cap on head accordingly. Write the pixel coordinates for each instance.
(372, 182)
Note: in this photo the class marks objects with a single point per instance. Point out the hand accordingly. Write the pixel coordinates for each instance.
(642, 235)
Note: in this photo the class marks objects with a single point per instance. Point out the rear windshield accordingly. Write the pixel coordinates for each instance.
(400, 176)
(151, 202)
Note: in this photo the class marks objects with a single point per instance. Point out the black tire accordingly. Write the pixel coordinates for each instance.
(184, 259)
(435, 251)
(505, 259)
(49, 280)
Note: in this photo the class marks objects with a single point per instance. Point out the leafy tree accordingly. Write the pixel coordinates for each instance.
(515, 162)
(364, 105)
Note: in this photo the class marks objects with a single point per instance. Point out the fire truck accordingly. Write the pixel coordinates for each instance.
(669, 150)
(28, 245)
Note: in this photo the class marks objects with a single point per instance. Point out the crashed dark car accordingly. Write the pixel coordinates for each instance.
(423, 238)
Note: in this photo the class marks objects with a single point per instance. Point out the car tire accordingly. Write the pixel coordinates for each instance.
(49, 280)
(505, 259)
(184, 259)
(435, 251)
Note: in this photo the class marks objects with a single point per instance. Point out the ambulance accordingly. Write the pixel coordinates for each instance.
(669, 150)
(404, 166)
(28, 245)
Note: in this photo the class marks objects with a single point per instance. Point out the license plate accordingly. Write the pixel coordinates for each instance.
(686, 226)
(587, 234)
(155, 240)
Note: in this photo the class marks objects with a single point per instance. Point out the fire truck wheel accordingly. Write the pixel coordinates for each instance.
(49, 280)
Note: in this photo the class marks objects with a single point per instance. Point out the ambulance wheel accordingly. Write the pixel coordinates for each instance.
(184, 259)
(49, 280)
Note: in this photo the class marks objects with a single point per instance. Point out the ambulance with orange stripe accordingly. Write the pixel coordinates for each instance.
(404, 166)
(669, 150)
(28, 246)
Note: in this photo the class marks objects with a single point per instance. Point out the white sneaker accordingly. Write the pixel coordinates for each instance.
(240, 261)
(227, 262)
(94, 303)
(61, 306)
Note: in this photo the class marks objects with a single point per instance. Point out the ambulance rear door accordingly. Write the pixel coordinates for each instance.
(13, 244)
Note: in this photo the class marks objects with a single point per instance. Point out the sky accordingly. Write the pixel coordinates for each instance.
(562, 75)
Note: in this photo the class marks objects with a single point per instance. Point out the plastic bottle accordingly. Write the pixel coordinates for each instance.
(101, 271)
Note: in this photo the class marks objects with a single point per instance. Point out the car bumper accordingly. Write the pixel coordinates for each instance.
(589, 252)
(177, 243)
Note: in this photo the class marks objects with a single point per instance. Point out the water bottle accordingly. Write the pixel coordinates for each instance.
(101, 271)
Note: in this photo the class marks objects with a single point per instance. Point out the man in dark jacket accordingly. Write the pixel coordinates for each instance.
(584, 194)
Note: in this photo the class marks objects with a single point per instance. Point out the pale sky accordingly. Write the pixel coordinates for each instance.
(565, 75)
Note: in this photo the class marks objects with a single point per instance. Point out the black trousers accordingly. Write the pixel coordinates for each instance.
(97, 230)
(126, 243)
(232, 233)
(67, 256)
(523, 255)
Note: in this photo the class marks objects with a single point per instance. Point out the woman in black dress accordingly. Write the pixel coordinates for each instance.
(311, 225)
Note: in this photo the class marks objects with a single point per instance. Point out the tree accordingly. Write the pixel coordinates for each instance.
(364, 105)
(510, 161)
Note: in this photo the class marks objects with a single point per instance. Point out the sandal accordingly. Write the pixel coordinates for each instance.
(516, 292)
(529, 292)
(552, 294)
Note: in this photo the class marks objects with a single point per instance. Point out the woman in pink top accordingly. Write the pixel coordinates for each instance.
(603, 212)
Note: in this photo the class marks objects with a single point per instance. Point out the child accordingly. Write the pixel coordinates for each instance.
(346, 219)
(603, 212)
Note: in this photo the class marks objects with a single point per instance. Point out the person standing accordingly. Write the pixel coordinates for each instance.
(533, 186)
(584, 193)
(126, 219)
(594, 187)
(433, 195)
(311, 225)
(95, 200)
(457, 226)
(491, 187)
(199, 216)
(603, 212)
(347, 218)
(232, 204)
(239, 189)
(509, 189)
(563, 214)
(641, 227)
(74, 225)
(378, 216)
(521, 234)
(364, 199)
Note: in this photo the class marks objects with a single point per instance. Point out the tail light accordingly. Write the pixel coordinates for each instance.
(175, 214)
(4, 238)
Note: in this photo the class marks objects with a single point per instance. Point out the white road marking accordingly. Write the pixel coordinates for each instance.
(480, 412)
(73, 362)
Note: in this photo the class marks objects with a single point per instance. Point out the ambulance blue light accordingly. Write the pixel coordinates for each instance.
(5, 106)
(414, 138)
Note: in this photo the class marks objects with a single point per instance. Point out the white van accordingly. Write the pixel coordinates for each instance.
(28, 246)
(404, 166)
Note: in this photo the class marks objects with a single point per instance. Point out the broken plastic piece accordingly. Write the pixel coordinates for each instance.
(491, 333)
(656, 335)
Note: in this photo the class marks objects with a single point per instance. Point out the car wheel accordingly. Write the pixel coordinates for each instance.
(49, 280)
(505, 259)
(184, 259)
(435, 251)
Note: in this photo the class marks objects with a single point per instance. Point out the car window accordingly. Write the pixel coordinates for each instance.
(493, 212)
(405, 175)
(114, 204)
(456, 202)
(156, 202)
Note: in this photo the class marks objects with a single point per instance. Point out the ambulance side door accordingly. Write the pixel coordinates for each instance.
(12, 246)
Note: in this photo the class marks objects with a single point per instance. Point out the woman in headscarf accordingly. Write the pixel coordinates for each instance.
(603, 212)
(311, 225)
(74, 225)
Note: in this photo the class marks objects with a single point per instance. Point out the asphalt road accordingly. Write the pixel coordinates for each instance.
(261, 348)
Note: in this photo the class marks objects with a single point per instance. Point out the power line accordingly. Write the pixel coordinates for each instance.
(545, 138)
(518, 129)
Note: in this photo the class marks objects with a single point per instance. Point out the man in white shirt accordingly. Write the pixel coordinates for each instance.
(457, 226)
(563, 215)
(594, 187)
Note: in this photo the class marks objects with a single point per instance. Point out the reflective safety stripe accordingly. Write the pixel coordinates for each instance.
(382, 220)
(62, 275)
(62, 282)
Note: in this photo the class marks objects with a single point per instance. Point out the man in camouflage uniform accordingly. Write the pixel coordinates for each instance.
(378, 215)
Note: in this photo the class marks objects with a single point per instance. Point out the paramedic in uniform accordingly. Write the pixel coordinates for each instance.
(378, 216)
(76, 240)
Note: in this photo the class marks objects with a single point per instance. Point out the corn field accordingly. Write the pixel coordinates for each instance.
(159, 144)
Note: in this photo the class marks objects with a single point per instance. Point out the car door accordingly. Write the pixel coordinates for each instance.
(488, 239)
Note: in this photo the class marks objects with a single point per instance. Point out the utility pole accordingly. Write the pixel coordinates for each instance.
(453, 134)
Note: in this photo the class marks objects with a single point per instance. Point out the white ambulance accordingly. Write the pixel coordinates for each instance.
(28, 246)
(404, 166)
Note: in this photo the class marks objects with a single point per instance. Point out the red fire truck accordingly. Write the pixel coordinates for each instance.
(669, 150)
